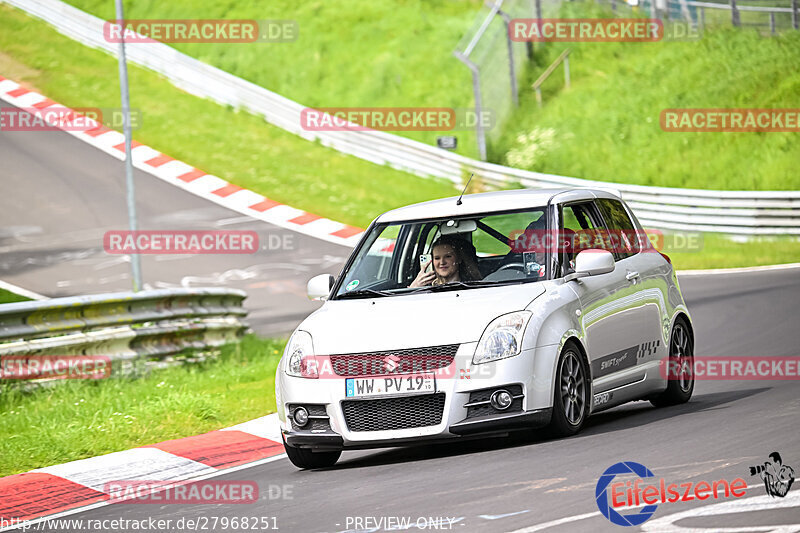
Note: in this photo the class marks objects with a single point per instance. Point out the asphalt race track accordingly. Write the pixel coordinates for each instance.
(61, 195)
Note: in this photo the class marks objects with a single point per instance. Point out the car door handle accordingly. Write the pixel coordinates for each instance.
(631, 276)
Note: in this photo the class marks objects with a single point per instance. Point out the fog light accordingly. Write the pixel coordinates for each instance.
(501, 399)
(300, 416)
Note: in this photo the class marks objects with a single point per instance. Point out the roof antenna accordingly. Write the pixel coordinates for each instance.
(458, 202)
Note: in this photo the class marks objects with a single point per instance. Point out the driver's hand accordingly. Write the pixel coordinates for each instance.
(424, 277)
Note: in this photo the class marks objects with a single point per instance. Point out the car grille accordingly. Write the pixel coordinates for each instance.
(394, 413)
(486, 409)
(398, 361)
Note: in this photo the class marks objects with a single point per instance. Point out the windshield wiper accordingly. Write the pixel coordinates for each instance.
(454, 285)
(363, 293)
(449, 286)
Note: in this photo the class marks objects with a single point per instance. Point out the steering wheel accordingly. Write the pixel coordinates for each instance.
(512, 265)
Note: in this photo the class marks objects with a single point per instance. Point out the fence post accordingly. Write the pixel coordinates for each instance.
(702, 18)
(476, 88)
(511, 67)
(734, 13)
(614, 6)
(772, 22)
(794, 14)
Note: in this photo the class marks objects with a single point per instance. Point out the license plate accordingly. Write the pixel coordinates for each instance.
(389, 385)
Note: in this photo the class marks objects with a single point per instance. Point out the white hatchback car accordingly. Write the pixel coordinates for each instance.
(496, 312)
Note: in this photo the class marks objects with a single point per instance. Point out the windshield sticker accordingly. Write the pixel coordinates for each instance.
(352, 285)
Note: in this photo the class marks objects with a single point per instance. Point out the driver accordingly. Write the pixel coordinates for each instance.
(453, 260)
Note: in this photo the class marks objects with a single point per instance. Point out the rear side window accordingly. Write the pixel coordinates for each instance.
(623, 234)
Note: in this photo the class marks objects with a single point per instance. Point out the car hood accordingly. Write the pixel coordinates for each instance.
(413, 321)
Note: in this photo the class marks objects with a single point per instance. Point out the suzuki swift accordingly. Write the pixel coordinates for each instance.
(484, 314)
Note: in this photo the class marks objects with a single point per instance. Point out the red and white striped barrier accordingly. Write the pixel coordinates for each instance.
(53, 490)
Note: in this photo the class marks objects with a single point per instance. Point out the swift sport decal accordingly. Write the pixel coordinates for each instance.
(623, 359)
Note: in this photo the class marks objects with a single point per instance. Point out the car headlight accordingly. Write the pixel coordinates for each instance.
(502, 337)
(299, 354)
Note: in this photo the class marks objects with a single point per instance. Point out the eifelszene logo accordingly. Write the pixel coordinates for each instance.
(777, 477)
(632, 494)
(601, 494)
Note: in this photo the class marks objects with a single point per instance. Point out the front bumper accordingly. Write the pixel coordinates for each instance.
(476, 427)
(458, 419)
(494, 423)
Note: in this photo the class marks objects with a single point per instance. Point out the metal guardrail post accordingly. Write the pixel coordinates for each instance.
(795, 15)
(772, 23)
(702, 18)
(126, 326)
(734, 14)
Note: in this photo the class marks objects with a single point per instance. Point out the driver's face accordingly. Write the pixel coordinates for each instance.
(444, 260)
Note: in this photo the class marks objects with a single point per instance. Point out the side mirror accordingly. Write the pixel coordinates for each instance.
(591, 263)
(319, 287)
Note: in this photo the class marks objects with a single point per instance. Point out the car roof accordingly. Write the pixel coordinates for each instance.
(488, 202)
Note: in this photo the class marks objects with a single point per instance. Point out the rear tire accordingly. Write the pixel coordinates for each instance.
(303, 458)
(571, 395)
(681, 356)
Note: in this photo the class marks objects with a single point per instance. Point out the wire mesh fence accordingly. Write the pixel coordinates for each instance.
(768, 16)
(498, 64)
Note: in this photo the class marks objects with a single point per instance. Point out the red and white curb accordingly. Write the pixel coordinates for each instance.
(52, 491)
(188, 177)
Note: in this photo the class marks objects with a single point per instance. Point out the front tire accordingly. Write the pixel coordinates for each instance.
(681, 356)
(571, 395)
(303, 458)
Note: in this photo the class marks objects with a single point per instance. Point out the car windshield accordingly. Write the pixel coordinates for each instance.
(466, 252)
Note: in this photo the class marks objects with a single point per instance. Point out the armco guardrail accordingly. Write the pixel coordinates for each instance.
(744, 213)
(128, 327)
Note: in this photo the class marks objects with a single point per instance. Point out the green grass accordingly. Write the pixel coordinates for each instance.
(7, 297)
(80, 419)
(235, 146)
(395, 53)
(606, 126)
(718, 251)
